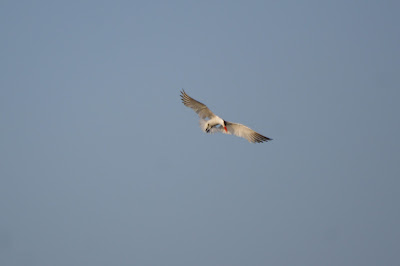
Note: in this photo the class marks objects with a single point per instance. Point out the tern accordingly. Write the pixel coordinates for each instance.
(211, 123)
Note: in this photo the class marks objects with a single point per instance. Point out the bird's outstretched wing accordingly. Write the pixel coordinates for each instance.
(242, 131)
(201, 109)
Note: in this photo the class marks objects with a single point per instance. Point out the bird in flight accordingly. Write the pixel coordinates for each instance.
(211, 123)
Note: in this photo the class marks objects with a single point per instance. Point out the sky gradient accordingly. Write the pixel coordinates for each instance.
(101, 163)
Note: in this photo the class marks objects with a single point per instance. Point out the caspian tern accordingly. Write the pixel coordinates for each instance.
(211, 123)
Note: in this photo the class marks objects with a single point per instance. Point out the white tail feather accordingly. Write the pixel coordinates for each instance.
(203, 124)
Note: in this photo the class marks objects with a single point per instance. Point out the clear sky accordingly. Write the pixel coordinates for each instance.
(101, 163)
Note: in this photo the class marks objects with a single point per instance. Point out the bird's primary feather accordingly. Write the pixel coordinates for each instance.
(200, 108)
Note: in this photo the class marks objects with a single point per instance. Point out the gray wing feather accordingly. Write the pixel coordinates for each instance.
(244, 132)
(201, 109)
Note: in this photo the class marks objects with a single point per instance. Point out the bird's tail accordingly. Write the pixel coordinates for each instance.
(203, 124)
(215, 129)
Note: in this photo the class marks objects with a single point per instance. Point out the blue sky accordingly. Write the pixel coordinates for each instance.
(101, 164)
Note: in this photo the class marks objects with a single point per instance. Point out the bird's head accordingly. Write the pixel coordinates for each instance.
(224, 125)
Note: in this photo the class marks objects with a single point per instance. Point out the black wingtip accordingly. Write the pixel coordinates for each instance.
(261, 139)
